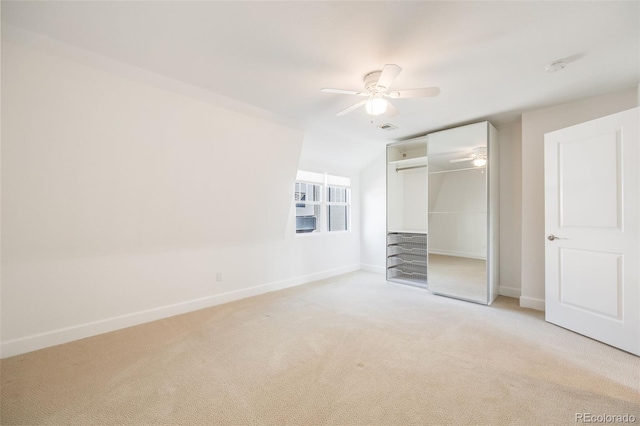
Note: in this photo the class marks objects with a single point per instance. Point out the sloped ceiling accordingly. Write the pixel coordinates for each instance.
(488, 58)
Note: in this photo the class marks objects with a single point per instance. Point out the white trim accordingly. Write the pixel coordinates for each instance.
(509, 291)
(341, 181)
(532, 303)
(308, 234)
(310, 177)
(81, 331)
(372, 268)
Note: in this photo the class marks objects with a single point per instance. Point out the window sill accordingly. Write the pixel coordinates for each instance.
(309, 234)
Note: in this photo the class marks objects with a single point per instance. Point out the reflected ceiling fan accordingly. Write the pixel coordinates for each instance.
(376, 85)
(478, 158)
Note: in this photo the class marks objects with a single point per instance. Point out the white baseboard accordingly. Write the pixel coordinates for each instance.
(532, 303)
(81, 331)
(372, 268)
(509, 291)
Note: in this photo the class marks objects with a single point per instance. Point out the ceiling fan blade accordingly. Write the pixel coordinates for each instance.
(352, 107)
(415, 93)
(389, 73)
(392, 111)
(343, 92)
(458, 160)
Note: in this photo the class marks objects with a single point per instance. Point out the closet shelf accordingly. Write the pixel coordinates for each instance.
(400, 248)
(395, 239)
(410, 273)
(410, 162)
(399, 260)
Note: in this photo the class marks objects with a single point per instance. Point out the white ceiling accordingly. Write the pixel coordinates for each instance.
(488, 58)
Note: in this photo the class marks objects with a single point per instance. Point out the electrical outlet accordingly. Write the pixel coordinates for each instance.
(219, 276)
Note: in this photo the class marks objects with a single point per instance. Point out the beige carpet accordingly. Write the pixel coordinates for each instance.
(353, 350)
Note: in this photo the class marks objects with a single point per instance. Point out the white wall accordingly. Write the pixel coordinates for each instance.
(336, 154)
(122, 201)
(408, 199)
(415, 199)
(510, 137)
(373, 203)
(534, 125)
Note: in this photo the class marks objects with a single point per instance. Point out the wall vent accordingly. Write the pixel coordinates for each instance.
(387, 126)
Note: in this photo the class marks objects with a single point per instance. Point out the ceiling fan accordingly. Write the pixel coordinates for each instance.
(478, 157)
(376, 85)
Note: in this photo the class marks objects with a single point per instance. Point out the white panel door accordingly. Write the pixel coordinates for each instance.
(592, 256)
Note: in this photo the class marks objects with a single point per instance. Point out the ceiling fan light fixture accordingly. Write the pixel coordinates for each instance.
(376, 85)
(376, 106)
(480, 162)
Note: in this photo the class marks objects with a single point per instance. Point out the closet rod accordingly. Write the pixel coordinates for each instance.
(407, 168)
(458, 170)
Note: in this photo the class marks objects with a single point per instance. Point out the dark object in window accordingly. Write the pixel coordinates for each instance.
(305, 224)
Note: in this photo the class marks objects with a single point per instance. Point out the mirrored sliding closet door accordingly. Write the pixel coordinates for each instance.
(462, 252)
(442, 229)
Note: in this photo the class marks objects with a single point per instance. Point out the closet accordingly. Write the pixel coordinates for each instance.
(442, 212)
(406, 207)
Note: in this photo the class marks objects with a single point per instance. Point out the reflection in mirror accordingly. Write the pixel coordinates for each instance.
(457, 256)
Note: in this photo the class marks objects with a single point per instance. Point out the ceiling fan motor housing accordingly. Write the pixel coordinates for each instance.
(371, 82)
(480, 152)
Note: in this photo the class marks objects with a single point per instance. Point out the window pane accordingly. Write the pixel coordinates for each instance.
(337, 218)
(307, 192)
(337, 194)
(307, 218)
(311, 198)
(307, 197)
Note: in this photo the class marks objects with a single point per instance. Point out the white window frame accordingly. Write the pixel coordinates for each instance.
(307, 203)
(325, 181)
(346, 203)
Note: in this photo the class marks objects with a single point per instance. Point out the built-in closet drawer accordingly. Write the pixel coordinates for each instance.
(407, 258)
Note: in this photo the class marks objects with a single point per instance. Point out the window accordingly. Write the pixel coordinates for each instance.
(308, 198)
(337, 208)
(322, 203)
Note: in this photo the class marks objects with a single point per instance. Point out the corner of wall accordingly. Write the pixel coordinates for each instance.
(532, 303)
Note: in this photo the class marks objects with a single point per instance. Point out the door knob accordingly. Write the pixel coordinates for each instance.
(553, 237)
